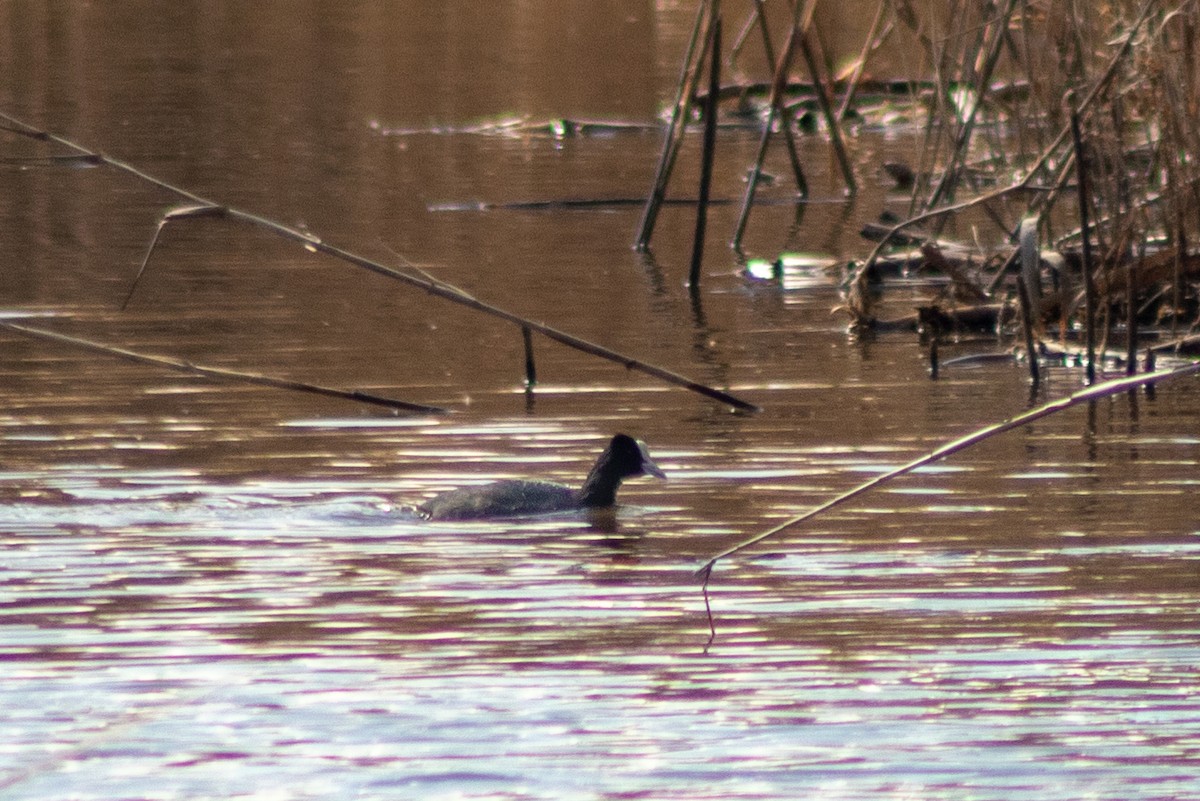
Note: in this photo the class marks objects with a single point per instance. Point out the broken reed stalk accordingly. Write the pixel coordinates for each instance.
(1089, 280)
(826, 106)
(773, 110)
(1092, 393)
(217, 372)
(680, 112)
(788, 132)
(710, 142)
(441, 289)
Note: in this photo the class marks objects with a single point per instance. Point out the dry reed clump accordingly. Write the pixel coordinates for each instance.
(1071, 128)
(1116, 207)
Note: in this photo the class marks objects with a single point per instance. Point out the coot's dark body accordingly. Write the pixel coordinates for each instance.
(624, 457)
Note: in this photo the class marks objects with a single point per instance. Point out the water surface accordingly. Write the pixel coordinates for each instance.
(212, 590)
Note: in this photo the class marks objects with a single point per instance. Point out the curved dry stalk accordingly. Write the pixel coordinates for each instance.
(1092, 393)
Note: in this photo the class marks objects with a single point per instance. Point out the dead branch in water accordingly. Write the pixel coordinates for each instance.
(201, 207)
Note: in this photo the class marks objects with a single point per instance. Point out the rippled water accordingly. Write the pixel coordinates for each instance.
(214, 591)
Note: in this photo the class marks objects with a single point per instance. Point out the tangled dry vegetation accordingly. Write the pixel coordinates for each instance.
(1072, 126)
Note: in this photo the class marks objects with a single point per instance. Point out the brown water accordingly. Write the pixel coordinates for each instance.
(208, 590)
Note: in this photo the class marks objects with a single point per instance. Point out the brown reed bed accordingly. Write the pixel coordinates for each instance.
(1076, 124)
(1087, 176)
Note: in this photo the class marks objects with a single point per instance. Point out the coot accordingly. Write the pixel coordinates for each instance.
(623, 458)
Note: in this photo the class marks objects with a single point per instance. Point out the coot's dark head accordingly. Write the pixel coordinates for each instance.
(624, 457)
(629, 457)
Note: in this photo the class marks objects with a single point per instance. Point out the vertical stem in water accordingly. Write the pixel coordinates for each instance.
(1126, 205)
(786, 123)
(1027, 325)
(679, 114)
(777, 88)
(1131, 311)
(710, 142)
(826, 105)
(530, 367)
(1089, 280)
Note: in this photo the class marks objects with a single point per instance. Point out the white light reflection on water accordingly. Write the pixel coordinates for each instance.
(260, 649)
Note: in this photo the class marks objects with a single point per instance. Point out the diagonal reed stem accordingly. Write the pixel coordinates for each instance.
(217, 372)
(680, 111)
(1092, 393)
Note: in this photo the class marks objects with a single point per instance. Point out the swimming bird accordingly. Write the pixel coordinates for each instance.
(625, 457)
